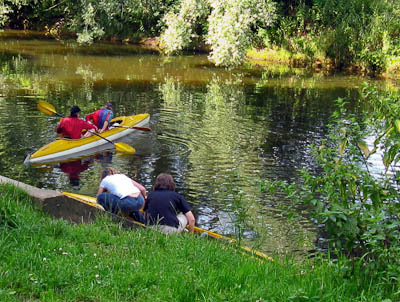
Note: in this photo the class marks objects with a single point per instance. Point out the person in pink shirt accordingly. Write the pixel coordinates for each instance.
(72, 126)
(101, 118)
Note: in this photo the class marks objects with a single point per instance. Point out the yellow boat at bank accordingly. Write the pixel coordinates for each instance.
(64, 148)
(92, 201)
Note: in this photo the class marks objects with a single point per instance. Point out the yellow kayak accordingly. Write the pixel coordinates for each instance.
(64, 148)
(92, 201)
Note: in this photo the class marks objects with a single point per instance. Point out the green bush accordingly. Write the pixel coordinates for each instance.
(351, 196)
(349, 33)
(89, 19)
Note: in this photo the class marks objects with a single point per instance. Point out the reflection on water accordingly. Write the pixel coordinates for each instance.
(218, 132)
(70, 172)
(73, 170)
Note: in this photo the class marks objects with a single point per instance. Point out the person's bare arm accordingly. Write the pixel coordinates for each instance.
(191, 220)
(101, 190)
(141, 188)
(89, 126)
(104, 127)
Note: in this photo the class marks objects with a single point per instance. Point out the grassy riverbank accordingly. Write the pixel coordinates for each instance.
(267, 57)
(43, 259)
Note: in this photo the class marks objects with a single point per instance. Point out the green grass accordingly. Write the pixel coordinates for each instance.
(43, 259)
(280, 56)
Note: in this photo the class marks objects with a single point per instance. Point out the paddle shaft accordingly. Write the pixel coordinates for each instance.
(134, 127)
(102, 137)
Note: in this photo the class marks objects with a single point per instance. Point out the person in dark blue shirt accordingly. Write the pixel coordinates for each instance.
(166, 209)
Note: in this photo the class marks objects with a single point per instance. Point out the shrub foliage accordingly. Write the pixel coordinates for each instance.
(355, 195)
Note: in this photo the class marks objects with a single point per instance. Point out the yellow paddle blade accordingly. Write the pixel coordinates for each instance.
(125, 148)
(46, 108)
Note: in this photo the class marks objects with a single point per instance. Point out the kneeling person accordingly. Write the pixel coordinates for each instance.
(120, 194)
(163, 205)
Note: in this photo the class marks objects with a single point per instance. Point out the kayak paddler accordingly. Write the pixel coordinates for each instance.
(102, 117)
(72, 126)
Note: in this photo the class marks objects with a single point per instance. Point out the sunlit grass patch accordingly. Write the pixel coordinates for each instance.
(264, 57)
(43, 259)
(270, 55)
(393, 69)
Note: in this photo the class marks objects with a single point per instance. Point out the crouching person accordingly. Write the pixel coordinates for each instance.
(120, 194)
(167, 210)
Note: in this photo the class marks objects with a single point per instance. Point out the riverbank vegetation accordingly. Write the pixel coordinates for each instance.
(354, 194)
(43, 259)
(356, 35)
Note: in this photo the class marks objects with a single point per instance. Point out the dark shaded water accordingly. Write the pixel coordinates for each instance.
(218, 132)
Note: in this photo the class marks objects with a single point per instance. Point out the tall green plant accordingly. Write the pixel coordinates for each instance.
(355, 195)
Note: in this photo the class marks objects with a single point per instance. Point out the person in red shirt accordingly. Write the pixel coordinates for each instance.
(72, 126)
(73, 169)
(101, 118)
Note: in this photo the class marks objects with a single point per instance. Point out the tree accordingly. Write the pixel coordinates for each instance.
(228, 26)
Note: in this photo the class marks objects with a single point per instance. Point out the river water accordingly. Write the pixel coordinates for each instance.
(218, 132)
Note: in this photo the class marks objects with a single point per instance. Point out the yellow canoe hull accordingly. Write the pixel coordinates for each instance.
(64, 148)
(93, 202)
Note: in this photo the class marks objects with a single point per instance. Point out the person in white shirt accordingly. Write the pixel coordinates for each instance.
(120, 194)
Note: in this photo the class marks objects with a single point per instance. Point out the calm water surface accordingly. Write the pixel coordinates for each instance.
(218, 132)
